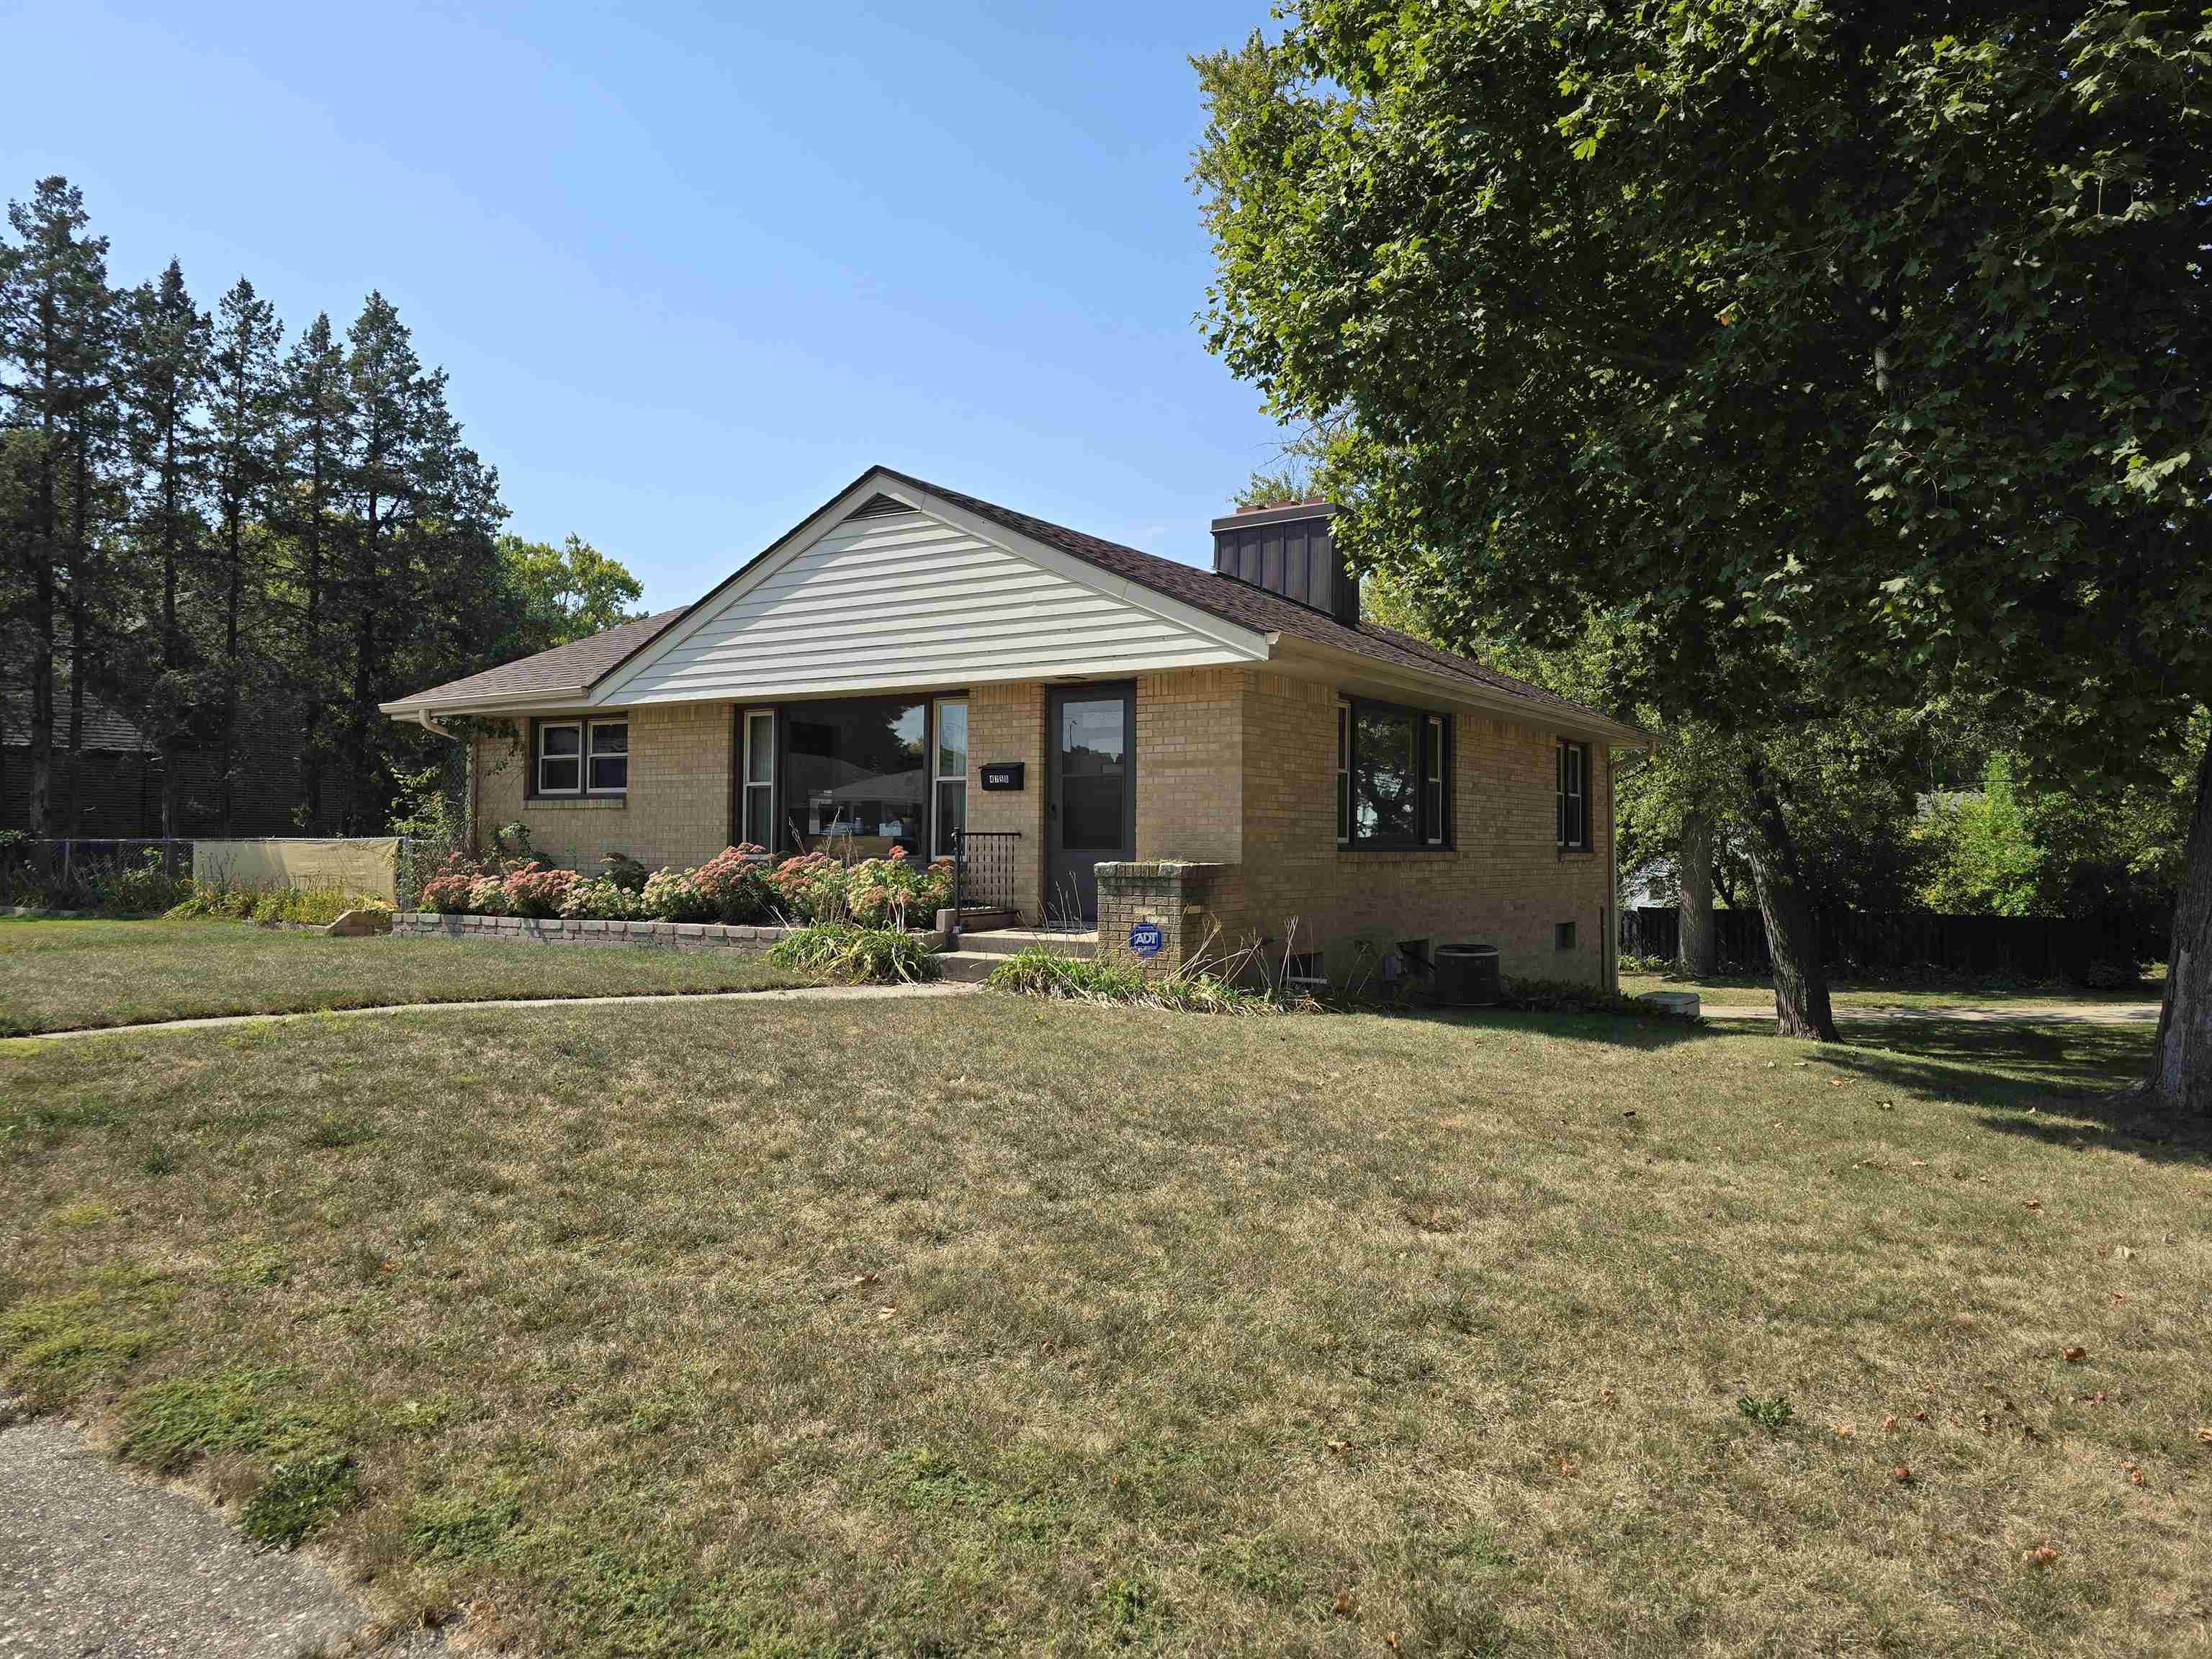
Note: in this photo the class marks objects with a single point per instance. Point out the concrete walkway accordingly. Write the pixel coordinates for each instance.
(101, 1564)
(2001, 1014)
(794, 993)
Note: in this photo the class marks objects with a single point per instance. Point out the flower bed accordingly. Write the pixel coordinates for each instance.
(738, 887)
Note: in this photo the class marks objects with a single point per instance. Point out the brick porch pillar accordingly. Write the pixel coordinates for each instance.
(1173, 895)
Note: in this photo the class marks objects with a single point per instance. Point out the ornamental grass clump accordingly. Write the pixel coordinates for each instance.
(840, 950)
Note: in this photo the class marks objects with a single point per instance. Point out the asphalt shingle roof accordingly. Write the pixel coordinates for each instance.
(564, 668)
(587, 660)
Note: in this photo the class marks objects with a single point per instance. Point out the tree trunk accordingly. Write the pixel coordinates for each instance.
(42, 706)
(1700, 940)
(1793, 931)
(2181, 1060)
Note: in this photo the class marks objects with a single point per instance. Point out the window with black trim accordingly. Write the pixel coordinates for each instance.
(1343, 773)
(1392, 762)
(580, 757)
(1574, 814)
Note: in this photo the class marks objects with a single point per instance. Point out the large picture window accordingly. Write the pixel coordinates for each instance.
(580, 757)
(855, 775)
(1392, 762)
(1574, 796)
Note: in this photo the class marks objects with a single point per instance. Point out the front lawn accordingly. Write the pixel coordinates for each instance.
(992, 1326)
(1853, 997)
(56, 976)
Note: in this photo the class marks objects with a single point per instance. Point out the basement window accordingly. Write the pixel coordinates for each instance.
(1563, 936)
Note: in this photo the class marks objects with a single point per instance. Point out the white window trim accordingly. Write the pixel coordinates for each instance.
(938, 780)
(589, 749)
(538, 760)
(768, 787)
(1435, 781)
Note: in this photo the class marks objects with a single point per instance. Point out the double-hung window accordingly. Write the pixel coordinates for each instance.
(582, 757)
(757, 818)
(1574, 816)
(1391, 767)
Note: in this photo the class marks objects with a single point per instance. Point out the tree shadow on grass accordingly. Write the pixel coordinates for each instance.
(2058, 1085)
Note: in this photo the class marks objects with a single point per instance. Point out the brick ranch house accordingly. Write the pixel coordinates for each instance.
(1115, 737)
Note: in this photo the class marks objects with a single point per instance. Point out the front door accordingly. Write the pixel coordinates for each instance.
(1091, 793)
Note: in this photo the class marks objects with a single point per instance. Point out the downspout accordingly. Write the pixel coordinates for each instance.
(468, 776)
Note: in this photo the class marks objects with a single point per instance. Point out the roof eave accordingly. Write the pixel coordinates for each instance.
(548, 696)
(1292, 651)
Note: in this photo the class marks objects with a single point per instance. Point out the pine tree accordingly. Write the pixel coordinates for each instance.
(54, 304)
(317, 438)
(168, 365)
(244, 417)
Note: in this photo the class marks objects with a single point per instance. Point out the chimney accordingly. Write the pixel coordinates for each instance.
(1290, 550)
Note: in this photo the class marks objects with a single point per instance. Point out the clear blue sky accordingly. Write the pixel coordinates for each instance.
(691, 272)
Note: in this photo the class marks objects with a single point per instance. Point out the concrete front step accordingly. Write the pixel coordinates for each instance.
(1005, 941)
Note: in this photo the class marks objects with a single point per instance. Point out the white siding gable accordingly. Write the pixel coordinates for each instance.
(910, 600)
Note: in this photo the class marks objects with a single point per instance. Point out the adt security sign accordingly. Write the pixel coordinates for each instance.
(1145, 939)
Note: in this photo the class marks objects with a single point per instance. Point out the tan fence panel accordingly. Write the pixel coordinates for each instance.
(366, 865)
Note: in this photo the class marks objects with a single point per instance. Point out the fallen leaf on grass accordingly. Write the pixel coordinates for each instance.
(1902, 1476)
(2042, 1555)
(2075, 1356)
(1920, 1416)
(1568, 1468)
(887, 1313)
(1889, 1423)
(2096, 1398)
(2205, 1435)
(2031, 1204)
(1843, 1431)
(1604, 1396)
(1339, 1446)
(1343, 1604)
(2135, 1475)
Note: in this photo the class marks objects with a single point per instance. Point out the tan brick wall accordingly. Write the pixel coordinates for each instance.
(1005, 722)
(1235, 766)
(1504, 882)
(677, 812)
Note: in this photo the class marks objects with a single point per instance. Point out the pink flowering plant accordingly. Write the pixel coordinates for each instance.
(735, 881)
(537, 891)
(895, 892)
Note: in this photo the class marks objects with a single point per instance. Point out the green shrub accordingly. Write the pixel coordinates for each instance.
(316, 906)
(840, 951)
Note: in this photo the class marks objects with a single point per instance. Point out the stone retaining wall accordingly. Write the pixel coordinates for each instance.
(650, 935)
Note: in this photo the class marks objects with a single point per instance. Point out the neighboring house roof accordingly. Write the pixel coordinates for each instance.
(106, 730)
(572, 672)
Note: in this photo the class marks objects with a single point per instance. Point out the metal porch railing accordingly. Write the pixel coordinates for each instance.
(983, 871)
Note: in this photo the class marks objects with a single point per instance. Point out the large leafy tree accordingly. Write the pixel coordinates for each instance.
(554, 595)
(1857, 352)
